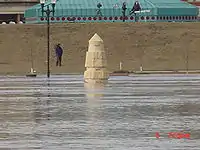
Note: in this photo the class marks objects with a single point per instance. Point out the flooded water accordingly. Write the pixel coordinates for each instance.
(62, 113)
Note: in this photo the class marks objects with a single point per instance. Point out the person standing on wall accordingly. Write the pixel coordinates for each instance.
(59, 53)
(135, 8)
(124, 11)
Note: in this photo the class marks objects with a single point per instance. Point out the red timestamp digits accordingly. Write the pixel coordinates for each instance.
(178, 135)
(175, 135)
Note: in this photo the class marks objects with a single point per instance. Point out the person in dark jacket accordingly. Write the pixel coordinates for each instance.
(124, 11)
(59, 53)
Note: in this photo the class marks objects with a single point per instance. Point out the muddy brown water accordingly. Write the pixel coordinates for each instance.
(62, 113)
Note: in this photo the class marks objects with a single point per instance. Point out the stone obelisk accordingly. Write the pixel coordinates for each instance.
(96, 62)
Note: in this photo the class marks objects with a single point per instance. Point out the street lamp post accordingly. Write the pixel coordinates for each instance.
(48, 12)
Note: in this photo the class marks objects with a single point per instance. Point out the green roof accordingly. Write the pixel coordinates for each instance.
(88, 8)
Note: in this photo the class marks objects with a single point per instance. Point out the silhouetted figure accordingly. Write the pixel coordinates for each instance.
(99, 5)
(124, 11)
(136, 7)
(59, 53)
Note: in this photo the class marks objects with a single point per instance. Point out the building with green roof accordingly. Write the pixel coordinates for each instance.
(111, 11)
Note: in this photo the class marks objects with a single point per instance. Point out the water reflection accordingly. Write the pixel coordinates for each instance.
(94, 93)
(41, 105)
(65, 113)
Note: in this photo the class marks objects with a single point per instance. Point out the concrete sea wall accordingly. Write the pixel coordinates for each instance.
(157, 46)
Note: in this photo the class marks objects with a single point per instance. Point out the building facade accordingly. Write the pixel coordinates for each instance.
(13, 10)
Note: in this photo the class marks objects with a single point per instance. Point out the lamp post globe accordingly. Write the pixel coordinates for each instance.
(42, 5)
(42, 1)
(53, 1)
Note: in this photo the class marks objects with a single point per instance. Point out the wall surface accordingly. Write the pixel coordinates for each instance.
(159, 46)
